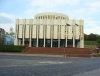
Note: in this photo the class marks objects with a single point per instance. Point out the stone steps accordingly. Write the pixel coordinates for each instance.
(69, 52)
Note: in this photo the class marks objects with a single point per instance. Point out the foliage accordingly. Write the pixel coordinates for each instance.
(98, 39)
(91, 43)
(11, 48)
(97, 55)
(92, 39)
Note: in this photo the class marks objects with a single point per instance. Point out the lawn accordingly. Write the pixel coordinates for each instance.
(91, 43)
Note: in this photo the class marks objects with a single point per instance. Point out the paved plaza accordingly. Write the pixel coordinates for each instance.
(37, 65)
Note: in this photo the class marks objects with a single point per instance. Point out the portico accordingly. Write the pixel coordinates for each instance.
(50, 30)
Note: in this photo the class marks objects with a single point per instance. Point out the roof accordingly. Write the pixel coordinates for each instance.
(52, 13)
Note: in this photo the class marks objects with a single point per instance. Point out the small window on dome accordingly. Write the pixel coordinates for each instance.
(39, 17)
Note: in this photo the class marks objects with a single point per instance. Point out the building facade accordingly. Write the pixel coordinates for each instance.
(9, 37)
(2, 34)
(50, 30)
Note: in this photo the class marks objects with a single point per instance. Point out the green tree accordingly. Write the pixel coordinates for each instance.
(92, 37)
(98, 38)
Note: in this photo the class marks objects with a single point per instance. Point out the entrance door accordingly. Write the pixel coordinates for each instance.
(48, 42)
(33, 42)
(69, 43)
(55, 42)
(62, 42)
(41, 42)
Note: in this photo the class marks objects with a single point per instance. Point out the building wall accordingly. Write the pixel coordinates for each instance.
(50, 26)
(9, 38)
(2, 34)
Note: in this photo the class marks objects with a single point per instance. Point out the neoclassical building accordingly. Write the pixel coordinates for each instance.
(50, 30)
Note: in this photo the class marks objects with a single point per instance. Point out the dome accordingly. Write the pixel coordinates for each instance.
(53, 14)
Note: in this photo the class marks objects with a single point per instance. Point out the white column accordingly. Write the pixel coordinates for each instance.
(44, 29)
(66, 42)
(81, 34)
(37, 34)
(66, 35)
(51, 43)
(37, 43)
(58, 43)
(58, 36)
(23, 41)
(73, 29)
(73, 42)
(44, 42)
(30, 37)
(82, 41)
(73, 36)
(51, 28)
(23, 35)
(30, 42)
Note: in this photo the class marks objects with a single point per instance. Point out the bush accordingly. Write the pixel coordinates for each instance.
(91, 43)
(98, 40)
(97, 55)
(11, 48)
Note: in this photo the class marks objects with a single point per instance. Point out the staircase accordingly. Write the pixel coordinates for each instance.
(69, 52)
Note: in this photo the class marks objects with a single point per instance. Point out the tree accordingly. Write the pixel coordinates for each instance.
(98, 38)
(92, 37)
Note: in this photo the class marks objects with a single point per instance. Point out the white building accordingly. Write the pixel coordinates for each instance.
(50, 30)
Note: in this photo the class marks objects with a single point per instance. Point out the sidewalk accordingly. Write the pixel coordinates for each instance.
(18, 54)
(90, 73)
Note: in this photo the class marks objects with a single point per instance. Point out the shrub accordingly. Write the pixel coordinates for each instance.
(97, 55)
(91, 43)
(11, 48)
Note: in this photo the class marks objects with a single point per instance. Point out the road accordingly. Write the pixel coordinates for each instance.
(23, 65)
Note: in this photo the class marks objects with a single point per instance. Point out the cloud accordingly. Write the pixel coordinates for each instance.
(6, 21)
(6, 18)
(75, 9)
(37, 6)
(52, 3)
(92, 26)
(95, 6)
(7, 26)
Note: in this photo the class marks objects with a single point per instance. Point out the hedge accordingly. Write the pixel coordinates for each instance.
(11, 48)
(97, 55)
(91, 43)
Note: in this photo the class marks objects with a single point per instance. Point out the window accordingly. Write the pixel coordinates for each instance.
(39, 17)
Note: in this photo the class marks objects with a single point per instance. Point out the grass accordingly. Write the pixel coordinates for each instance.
(98, 55)
(91, 43)
(11, 48)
